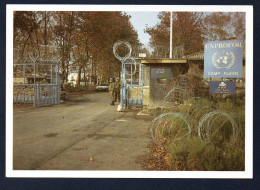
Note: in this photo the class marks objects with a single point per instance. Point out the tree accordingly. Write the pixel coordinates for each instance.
(109, 27)
(187, 33)
(191, 29)
(64, 30)
(81, 38)
(216, 24)
(25, 23)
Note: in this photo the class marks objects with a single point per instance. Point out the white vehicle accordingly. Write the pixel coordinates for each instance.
(102, 87)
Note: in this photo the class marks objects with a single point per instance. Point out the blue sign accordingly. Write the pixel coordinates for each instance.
(223, 59)
(161, 73)
(222, 87)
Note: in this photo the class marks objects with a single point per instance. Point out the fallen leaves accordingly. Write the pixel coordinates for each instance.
(90, 159)
(157, 159)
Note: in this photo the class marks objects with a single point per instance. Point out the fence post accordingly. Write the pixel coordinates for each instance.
(142, 101)
(34, 82)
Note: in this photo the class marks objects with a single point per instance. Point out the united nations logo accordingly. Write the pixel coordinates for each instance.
(223, 59)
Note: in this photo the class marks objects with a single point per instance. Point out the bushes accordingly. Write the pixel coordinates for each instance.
(218, 154)
(195, 154)
(78, 88)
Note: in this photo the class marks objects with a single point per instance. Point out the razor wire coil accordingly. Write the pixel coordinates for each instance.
(117, 45)
(216, 123)
(174, 126)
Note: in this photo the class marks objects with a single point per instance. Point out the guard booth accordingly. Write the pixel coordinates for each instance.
(162, 75)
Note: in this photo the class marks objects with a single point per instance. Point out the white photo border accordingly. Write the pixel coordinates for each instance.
(247, 174)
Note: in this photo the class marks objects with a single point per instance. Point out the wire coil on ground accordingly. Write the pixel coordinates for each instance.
(218, 127)
(170, 126)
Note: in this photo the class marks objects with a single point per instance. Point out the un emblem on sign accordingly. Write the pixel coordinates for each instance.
(223, 59)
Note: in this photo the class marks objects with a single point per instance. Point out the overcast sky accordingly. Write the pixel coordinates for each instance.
(142, 19)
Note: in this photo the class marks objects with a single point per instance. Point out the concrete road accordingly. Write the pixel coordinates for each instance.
(83, 133)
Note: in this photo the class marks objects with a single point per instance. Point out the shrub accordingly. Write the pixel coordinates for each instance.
(194, 154)
(220, 154)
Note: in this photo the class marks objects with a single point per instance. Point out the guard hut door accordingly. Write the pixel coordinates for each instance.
(133, 83)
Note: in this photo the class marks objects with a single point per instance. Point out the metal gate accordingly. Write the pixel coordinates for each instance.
(134, 84)
(131, 78)
(36, 83)
(46, 94)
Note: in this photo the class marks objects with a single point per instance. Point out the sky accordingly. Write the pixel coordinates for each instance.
(140, 20)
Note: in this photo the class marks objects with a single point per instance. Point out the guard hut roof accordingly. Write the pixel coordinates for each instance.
(163, 61)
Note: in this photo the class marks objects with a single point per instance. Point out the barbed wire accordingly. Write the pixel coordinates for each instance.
(117, 45)
(39, 53)
(174, 98)
(210, 125)
(170, 126)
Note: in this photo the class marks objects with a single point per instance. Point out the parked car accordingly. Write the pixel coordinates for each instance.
(102, 87)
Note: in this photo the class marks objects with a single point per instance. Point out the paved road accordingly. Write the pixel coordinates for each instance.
(84, 133)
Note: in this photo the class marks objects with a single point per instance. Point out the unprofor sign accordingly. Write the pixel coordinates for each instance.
(223, 59)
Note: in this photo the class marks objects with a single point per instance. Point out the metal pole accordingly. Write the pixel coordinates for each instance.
(131, 74)
(137, 88)
(39, 94)
(127, 97)
(51, 73)
(23, 74)
(171, 36)
(140, 74)
(142, 85)
(58, 76)
(124, 88)
(57, 84)
(24, 89)
(34, 84)
(121, 99)
(209, 91)
(53, 95)
(235, 92)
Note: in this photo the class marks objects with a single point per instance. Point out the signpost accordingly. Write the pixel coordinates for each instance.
(223, 59)
(222, 87)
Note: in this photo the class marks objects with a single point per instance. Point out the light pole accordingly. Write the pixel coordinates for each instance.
(171, 36)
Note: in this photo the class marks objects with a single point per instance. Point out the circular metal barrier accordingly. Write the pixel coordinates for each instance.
(174, 98)
(218, 127)
(170, 126)
(122, 43)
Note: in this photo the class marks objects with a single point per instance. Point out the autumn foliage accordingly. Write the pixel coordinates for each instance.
(191, 29)
(83, 39)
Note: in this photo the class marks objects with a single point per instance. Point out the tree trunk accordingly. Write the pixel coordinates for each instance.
(79, 76)
(84, 69)
(91, 77)
(95, 73)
